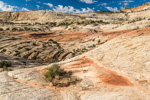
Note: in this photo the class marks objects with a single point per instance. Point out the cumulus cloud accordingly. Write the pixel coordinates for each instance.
(49, 4)
(27, 0)
(71, 9)
(6, 7)
(24, 9)
(126, 2)
(88, 1)
(112, 9)
(102, 4)
(37, 6)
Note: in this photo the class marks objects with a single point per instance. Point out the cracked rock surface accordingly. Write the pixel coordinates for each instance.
(116, 70)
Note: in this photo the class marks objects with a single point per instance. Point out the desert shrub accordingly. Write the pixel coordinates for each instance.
(13, 38)
(34, 44)
(7, 29)
(99, 42)
(73, 54)
(52, 24)
(54, 71)
(5, 64)
(6, 69)
(59, 77)
(20, 29)
(14, 29)
(43, 45)
(94, 45)
(38, 23)
(4, 50)
(27, 49)
(26, 28)
(20, 48)
(1, 29)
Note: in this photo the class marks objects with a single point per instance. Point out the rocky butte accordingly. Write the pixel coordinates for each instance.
(88, 56)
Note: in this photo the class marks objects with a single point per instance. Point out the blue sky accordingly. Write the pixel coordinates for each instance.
(68, 6)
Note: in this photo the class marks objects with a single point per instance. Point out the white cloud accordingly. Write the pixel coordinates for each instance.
(102, 4)
(24, 9)
(27, 0)
(37, 6)
(88, 1)
(49, 4)
(86, 10)
(112, 9)
(6, 7)
(126, 2)
(71, 9)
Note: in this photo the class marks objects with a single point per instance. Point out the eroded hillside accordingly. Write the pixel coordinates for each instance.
(116, 70)
(46, 55)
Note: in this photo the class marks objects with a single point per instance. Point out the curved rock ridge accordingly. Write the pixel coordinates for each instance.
(46, 21)
(145, 6)
(45, 51)
(116, 70)
(28, 15)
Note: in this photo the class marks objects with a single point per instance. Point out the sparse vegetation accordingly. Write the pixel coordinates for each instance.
(27, 49)
(4, 50)
(7, 29)
(59, 77)
(1, 29)
(5, 65)
(34, 44)
(13, 38)
(14, 29)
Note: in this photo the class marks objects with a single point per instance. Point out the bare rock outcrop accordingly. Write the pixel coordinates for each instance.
(116, 70)
(46, 51)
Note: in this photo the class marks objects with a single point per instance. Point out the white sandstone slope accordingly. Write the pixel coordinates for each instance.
(116, 70)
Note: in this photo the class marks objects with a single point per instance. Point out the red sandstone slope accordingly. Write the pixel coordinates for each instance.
(138, 8)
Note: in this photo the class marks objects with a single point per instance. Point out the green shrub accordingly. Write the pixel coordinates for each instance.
(1, 29)
(27, 49)
(7, 29)
(20, 48)
(5, 64)
(54, 71)
(13, 38)
(59, 77)
(4, 50)
(14, 29)
(6, 69)
(43, 45)
(34, 44)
